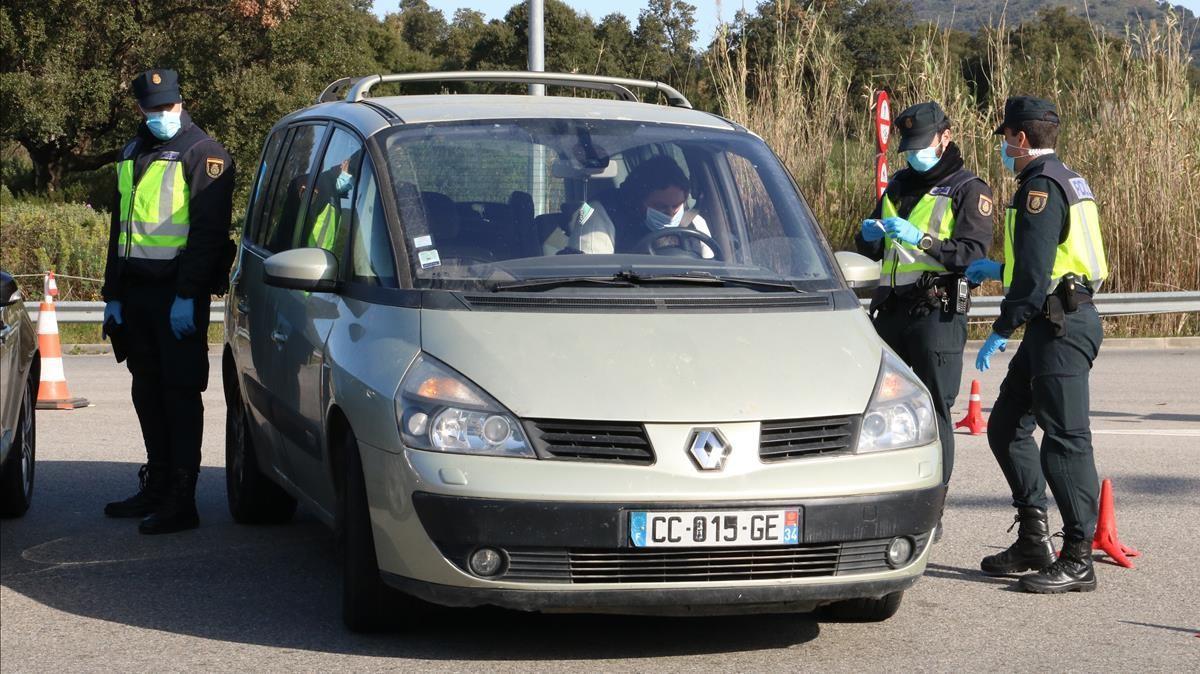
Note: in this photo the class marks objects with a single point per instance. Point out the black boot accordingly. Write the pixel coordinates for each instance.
(1071, 572)
(1032, 550)
(178, 512)
(153, 482)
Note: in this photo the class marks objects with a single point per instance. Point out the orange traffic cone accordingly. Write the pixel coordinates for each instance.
(52, 388)
(1106, 530)
(974, 420)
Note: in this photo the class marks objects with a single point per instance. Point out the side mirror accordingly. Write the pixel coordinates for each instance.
(860, 272)
(9, 292)
(311, 269)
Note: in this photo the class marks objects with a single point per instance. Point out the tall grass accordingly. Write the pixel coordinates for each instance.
(1131, 126)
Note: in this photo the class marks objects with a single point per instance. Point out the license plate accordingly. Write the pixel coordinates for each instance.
(714, 529)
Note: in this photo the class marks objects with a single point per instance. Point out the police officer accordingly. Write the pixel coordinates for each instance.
(1054, 262)
(934, 219)
(168, 250)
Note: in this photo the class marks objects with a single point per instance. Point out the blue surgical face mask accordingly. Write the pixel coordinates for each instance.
(164, 125)
(1010, 163)
(922, 160)
(656, 219)
(344, 183)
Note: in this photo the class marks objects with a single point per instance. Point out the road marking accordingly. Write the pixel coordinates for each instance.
(1163, 432)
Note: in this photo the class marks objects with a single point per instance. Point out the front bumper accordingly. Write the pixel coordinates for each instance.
(774, 598)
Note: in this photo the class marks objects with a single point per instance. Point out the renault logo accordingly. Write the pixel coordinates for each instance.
(708, 448)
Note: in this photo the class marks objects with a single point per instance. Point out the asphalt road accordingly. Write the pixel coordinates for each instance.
(82, 592)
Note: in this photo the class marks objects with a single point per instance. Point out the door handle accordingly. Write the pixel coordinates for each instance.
(279, 337)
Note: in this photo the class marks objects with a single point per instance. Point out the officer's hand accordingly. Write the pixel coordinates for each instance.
(902, 230)
(984, 269)
(112, 311)
(994, 343)
(183, 317)
(872, 230)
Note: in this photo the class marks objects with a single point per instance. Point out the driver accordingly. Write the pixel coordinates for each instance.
(653, 198)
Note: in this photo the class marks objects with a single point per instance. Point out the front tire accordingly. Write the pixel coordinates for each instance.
(253, 498)
(368, 604)
(16, 478)
(867, 610)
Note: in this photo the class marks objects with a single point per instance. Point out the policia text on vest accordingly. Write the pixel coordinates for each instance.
(915, 308)
(168, 251)
(1053, 262)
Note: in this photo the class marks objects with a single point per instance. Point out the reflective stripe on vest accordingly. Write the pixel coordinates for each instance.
(154, 213)
(1081, 254)
(933, 216)
(324, 229)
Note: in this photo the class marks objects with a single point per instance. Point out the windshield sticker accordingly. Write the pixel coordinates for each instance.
(429, 258)
(585, 212)
(423, 241)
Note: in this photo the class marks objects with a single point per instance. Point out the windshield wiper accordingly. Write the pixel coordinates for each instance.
(707, 278)
(563, 281)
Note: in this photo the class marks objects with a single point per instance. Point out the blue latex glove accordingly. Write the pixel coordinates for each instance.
(984, 269)
(112, 309)
(994, 343)
(871, 230)
(183, 317)
(902, 230)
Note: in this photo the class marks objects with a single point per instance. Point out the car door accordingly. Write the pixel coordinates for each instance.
(271, 386)
(11, 380)
(304, 319)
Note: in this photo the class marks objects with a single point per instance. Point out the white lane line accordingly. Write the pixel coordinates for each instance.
(1163, 432)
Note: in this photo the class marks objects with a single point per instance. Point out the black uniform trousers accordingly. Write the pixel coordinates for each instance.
(1047, 385)
(169, 374)
(932, 345)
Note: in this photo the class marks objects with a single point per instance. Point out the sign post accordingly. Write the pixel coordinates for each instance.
(883, 128)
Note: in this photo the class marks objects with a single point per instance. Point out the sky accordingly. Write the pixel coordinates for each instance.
(708, 14)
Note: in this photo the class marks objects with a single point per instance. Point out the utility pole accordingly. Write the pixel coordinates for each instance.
(537, 63)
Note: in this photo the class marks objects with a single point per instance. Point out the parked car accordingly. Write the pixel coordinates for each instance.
(458, 335)
(18, 394)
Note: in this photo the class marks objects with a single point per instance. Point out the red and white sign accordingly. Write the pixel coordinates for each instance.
(883, 128)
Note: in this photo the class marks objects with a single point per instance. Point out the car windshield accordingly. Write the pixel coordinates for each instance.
(525, 204)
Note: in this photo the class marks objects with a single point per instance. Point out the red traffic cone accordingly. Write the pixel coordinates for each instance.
(52, 386)
(974, 420)
(1106, 530)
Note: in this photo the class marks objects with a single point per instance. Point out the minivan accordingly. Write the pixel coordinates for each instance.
(566, 353)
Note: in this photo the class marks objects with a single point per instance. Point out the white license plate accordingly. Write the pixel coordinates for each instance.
(713, 529)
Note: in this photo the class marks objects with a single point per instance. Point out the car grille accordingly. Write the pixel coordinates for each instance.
(633, 565)
(799, 438)
(618, 442)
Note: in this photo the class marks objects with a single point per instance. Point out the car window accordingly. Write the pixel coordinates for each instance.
(261, 184)
(328, 220)
(371, 260)
(518, 199)
(291, 188)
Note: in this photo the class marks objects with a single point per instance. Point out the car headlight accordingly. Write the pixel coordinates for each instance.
(900, 414)
(440, 410)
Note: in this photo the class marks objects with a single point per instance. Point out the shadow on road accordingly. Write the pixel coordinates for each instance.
(959, 573)
(278, 586)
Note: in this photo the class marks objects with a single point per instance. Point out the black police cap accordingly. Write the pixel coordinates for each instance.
(918, 125)
(157, 87)
(1019, 109)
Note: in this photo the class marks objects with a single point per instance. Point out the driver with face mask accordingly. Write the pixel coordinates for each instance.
(652, 200)
(934, 219)
(332, 186)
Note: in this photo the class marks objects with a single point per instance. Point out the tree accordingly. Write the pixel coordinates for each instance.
(66, 67)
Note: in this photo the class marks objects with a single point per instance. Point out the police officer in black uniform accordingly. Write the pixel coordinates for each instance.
(1054, 262)
(168, 251)
(934, 219)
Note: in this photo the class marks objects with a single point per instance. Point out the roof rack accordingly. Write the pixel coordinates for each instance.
(360, 87)
(331, 92)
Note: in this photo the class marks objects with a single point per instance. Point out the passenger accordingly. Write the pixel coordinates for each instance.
(652, 198)
(332, 186)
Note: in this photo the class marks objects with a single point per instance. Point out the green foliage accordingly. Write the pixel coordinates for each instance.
(67, 238)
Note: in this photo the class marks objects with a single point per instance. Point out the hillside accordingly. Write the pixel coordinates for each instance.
(1114, 15)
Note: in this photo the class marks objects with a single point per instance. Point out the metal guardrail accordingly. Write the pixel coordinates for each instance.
(1108, 304)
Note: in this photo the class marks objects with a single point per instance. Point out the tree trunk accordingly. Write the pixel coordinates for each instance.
(49, 165)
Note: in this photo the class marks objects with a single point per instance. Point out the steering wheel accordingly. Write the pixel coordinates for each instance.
(645, 242)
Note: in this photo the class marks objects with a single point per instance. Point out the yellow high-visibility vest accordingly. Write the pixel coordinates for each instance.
(154, 212)
(903, 263)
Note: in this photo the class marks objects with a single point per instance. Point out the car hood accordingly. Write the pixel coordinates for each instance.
(663, 367)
